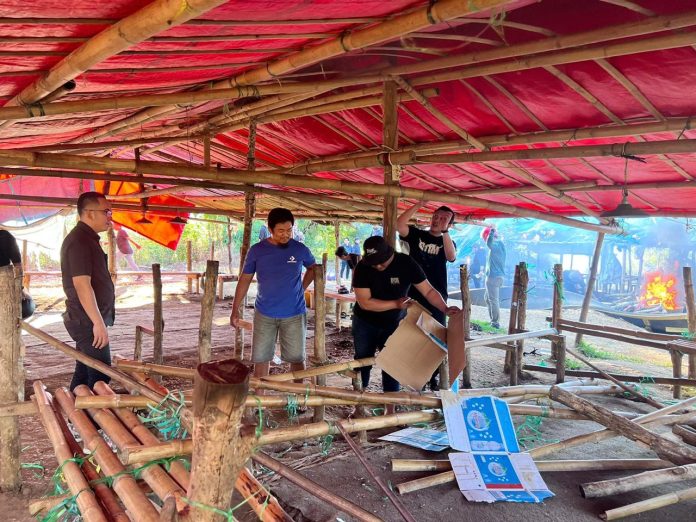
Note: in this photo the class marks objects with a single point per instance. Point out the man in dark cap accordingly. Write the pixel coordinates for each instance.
(381, 283)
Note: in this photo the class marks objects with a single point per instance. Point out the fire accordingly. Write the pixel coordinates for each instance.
(659, 289)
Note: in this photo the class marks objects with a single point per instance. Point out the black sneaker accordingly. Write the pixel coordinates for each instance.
(495, 325)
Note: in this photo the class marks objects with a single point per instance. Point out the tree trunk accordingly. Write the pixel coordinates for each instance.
(219, 452)
(158, 320)
(11, 376)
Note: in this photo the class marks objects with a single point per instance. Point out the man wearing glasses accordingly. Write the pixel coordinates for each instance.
(90, 304)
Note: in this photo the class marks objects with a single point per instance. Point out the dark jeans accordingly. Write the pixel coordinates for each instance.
(82, 334)
(368, 338)
(345, 269)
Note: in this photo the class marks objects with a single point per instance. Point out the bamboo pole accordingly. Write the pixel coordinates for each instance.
(543, 465)
(376, 478)
(617, 486)
(144, 23)
(591, 280)
(667, 499)
(124, 485)
(665, 448)
(557, 304)
(207, 311)
(158, 319)
(315, 489)
(129, 383)
(518, 354)
(220, 452)
(11, 376)
(322, 370)
(392, 171)
(319, 330)
(145, 437)
(105, 495)
(76, 481)
(691, 314)
(189, 266)
(466, 309)
(628, 389)
(16, 158)
(155, 476)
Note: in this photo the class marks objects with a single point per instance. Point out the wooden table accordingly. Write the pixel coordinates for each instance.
(189, 275)
(221, 280)
(339, 298)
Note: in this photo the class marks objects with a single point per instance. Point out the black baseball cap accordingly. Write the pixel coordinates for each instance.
(376, 250)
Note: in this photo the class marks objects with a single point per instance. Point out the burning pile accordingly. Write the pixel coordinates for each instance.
(659, 292)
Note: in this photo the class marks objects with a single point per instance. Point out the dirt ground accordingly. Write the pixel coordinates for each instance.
(337, 469)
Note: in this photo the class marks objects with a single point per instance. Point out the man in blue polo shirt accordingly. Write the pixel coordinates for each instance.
(280, 306)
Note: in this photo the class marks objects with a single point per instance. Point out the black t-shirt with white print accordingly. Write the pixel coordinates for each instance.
(391, 283)
(429, 252)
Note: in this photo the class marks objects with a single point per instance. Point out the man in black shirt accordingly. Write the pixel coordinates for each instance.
(9, 251)
(90, 298)
(381, 283)
(431, 249)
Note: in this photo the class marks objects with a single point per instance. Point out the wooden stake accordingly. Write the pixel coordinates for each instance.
(466, 309)
(691, 311)
(219, 453)
(560, 345)
(521, 317)
(158, 319)
(676, 357)
(337, 262)
(207, 311)
(591, 279)
(557, 307)
(512, 325)
(665, 448)
(11, 376)
(78, 485)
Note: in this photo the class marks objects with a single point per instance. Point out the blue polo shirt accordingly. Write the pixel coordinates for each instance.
(278, 271)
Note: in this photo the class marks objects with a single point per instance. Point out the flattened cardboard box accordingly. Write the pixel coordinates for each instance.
(418, 346)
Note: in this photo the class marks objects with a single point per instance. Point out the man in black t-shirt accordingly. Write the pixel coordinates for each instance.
(381, 283)
(431, 249)
(90, 305)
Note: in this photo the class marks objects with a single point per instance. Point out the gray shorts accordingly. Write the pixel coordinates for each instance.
(292, 333)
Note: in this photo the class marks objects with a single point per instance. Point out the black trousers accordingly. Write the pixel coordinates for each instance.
(83, 336)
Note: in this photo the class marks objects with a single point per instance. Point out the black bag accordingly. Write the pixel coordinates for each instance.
(28, 305)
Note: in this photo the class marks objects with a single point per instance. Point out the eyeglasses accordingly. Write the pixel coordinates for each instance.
(106, 211)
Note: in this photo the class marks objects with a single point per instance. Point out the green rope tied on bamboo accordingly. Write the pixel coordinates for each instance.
(67, 508)
(326, 444)
(292, 407)
(689, 336)
(229, 513)
(549, 275)
(166, 418)
(259, 426)
(529, 432)
(58, 478)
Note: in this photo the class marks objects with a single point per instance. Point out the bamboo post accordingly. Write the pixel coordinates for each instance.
(512, 326)
(125, 485)
(399, 465)
(521, 319)
(315, 489)
(189, 266)
(665, 448)
(228, 229)
(560, 344)
(158, 320)
(557, 310)
(76, 481)
(466, 310)
(591, 280)
(25, 262)
(220, 452)
(337, 262)
(320, 330)
(111, 246)
(207, 310)
(138, 350)
(390, 142)
(11, 376)
(676, 357)
(652, 503)
(691, 311)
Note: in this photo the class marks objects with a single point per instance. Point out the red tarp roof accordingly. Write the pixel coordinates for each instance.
(516, 99)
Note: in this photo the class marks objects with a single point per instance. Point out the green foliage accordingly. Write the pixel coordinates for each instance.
(486, 326)
(572, 364)
(594, 352)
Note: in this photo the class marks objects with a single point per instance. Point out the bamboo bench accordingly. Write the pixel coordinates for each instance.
(188, 274)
